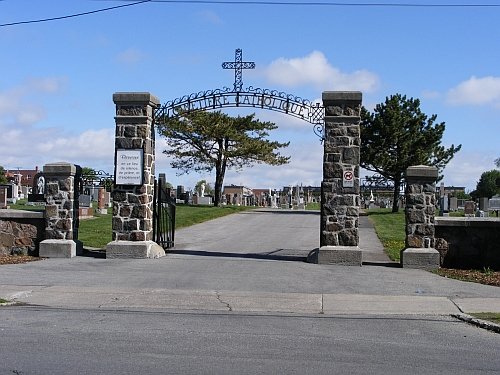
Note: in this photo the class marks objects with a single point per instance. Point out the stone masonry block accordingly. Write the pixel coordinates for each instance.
(420, 258)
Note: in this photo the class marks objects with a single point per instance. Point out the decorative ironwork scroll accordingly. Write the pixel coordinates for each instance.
(295, 106)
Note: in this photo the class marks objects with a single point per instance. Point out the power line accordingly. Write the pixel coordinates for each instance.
(73, 15)
(257, 2)
(263, 2)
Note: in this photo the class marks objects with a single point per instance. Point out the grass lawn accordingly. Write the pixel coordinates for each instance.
(20, 205)
(390, 228)
(490, 316)
(313, 206)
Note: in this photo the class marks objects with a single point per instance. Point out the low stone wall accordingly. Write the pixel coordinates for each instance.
(468, 242)
(21, 232)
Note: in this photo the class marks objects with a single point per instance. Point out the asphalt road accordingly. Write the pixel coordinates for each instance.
(235, 296)
(37, 340)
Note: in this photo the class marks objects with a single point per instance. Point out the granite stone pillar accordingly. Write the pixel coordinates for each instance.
(420, 196)
(61, 211)
(340, 201)
(134, 177)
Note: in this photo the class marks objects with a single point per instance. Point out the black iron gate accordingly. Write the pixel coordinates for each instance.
(163, 214)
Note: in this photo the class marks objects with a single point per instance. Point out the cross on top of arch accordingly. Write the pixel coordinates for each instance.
(238, 65)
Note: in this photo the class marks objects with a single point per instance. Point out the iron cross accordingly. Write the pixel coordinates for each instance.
(238, 66)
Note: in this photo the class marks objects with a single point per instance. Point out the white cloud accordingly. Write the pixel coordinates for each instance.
(209, 16)
(428, 94)
(476, 91)
(20, 105)
(132, 56)
(466, 168)
(315, 70)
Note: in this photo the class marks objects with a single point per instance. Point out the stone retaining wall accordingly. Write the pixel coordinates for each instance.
(21, 232)
(468, 242)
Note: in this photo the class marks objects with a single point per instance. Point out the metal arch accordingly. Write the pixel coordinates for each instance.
(273, 100)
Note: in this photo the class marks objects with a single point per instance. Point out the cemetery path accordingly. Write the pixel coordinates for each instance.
(270, 234)
(264, 233)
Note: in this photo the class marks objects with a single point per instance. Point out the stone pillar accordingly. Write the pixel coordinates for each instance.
(339, 237)
(420, 211)
(134, 177)
(61, 211)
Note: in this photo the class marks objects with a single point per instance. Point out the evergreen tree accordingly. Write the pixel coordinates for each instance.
(204, 141)
(398, 135)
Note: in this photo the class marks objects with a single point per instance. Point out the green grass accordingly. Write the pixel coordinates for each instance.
(20, 205)
(490, 316)
(3, 300)
(186, 216)
(313, 206)
(390, 228)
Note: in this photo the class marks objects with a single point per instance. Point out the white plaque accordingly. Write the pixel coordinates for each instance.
(129, 167)
(348, 178)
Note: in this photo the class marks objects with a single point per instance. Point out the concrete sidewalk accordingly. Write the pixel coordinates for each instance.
(247, 262)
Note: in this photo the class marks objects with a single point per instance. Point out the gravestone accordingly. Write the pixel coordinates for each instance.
(101, 201)
(483, 208)
(453, 204)
(107, 199)
(3, 197)
(84, 200)
(469, 208)
(494, 204)
(443, 206)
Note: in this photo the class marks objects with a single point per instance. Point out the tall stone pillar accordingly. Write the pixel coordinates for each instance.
(134, 177)
(420, 196)
(61, 211)
(339, 237)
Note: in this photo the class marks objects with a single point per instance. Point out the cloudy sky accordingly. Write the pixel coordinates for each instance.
(57, 77)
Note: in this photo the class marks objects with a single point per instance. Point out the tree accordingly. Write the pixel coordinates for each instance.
(497, 162)
(3, 178)
(488, 185)
(203, 141)
(398, 135)
(88, 174)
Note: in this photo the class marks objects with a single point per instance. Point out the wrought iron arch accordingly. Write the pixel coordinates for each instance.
(273, 100)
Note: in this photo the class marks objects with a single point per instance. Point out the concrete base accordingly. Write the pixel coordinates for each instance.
(102, 211)
(421, 258)
(133, 250)
(342, 255)
(204, 200)
(60, 248)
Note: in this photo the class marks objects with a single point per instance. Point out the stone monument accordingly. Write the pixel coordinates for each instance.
(339, 237)
(420, 192)
(134, 177)
(61, 211)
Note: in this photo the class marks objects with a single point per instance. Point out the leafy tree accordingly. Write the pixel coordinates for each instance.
(203, 141)
(88, 174)
(497, 162)
(398, 135)
(488, 185)
(3, 178)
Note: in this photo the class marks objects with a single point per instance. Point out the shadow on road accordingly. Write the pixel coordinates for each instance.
(260, 256)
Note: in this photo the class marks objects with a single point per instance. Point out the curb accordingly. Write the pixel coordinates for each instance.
(478, 322)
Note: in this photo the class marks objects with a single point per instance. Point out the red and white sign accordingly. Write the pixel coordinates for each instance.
(348, 178)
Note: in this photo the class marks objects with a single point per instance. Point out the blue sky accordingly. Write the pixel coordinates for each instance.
(57, 78)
